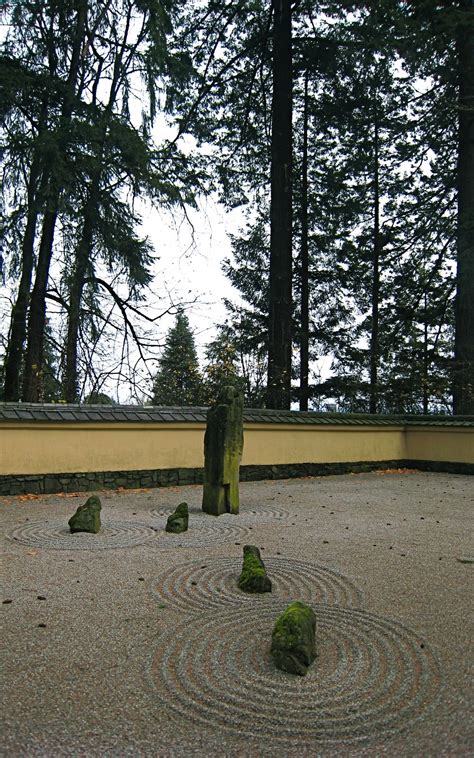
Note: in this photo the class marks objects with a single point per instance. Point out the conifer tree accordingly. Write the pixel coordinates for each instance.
(221, 367)
(178, 380)
(77, 156)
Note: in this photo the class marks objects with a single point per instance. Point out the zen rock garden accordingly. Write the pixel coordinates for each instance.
(293, 637)
(266, 646)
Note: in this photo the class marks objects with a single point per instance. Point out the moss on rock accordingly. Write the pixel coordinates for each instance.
(254, 575)
(178, 521)
(293, 639)
(223, 444)
(87, 517)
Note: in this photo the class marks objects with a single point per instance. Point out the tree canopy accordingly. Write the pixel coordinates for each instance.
(343, 131)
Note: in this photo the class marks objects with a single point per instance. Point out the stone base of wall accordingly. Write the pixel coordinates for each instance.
(99, 480)
(103, 480)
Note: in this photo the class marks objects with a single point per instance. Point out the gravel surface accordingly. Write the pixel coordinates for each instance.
(135, 642)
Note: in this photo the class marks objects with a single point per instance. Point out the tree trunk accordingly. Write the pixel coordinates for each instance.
(71, 390)
(280, 302)
(304, 334)
(16, 341)
(463, 395)
(374, 336)
(33, 376)
(426, 362)
(82, 258)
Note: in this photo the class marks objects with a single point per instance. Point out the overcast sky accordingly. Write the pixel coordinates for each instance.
(190, 260)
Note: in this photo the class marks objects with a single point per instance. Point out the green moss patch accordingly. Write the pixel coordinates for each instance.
(254, 575)
(178, 521)
(293, 639)
(87, 517)
(223, 444)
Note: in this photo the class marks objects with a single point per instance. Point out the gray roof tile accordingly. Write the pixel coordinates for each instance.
(26, 412)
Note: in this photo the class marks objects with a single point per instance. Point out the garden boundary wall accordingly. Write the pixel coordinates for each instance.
(68, 448)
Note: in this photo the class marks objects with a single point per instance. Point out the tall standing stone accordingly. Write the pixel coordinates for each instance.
(223, 445)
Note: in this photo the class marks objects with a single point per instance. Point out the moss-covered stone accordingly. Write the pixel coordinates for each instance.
(178, 521)
(223, 444)
(254, 575)
(87, 517)
(293, 639)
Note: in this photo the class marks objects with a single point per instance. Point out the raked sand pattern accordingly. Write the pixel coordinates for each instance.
(152, 649)
(55, 535)
(197, 585)
(262, 512)
(371, 676)
(200, 534)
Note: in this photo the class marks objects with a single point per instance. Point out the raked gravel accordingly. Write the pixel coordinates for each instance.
(139, 644)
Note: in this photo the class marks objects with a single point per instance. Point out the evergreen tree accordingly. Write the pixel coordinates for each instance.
(464, 342)
(98, 398)
(37, 99)
(374, 247)
(76, 159)
(243, 55)
(178, 380)
(280, 301)
(221, 367)
(248, 271)
(436, 44)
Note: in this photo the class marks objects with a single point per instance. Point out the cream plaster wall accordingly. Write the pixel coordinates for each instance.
(321, 444)
(440, 444)
(69, 448)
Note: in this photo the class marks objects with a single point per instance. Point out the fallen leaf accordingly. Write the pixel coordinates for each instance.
(396, 471)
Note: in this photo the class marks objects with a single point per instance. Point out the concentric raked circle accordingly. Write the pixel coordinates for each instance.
(262, 512)
(56, 535)
(210, 532)
(213, 583)
(372, 676)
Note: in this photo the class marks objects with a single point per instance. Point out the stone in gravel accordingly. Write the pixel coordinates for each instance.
(254, 575)
(87, 517)
(178, 521)
(293, 639)
(223, 445)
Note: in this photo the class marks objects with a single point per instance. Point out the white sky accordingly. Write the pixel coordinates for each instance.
(190, 260)
(190, 266)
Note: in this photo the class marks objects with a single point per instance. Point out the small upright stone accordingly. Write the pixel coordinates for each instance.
(254, 575)
(87, 517)
(223, 444)
(293, 639)
(178, 521)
